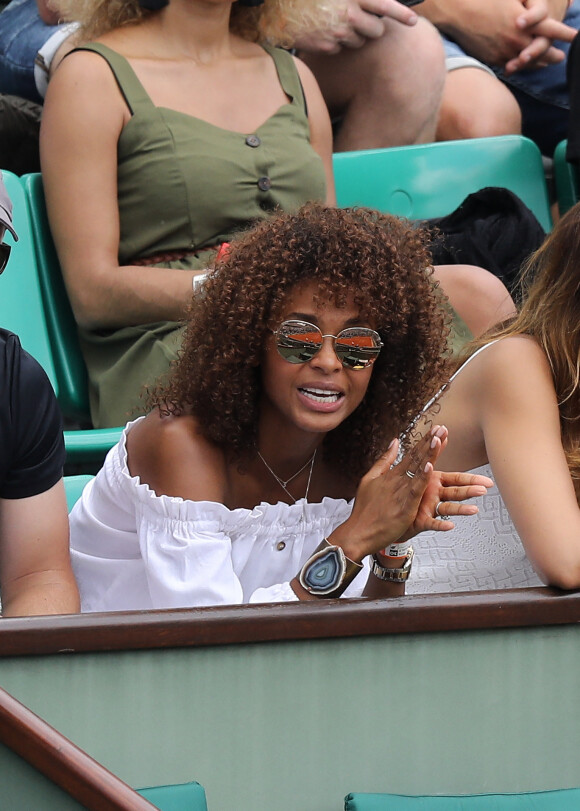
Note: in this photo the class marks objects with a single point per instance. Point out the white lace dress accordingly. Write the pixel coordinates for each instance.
(482, 552)
(132, 549)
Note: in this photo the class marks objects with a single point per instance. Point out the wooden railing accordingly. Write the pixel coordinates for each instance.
(61, 761)
(133, 630)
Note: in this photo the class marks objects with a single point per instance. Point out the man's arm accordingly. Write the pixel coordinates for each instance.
(498, 31)
(363, 21)
(35, 570)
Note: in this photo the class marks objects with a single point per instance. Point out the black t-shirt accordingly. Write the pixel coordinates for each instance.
(31, 440)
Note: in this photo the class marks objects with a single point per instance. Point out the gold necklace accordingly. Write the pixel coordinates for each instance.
(284, 484)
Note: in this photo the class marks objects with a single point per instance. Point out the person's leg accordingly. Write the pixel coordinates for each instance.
(477, 296)
(387, 92)
(475, 104)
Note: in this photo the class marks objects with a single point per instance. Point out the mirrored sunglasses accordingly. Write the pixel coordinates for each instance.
(355, 347)
(4, 255)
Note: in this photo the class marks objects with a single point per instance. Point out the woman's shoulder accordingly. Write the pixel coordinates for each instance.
(515, 354)
(85, 69)
(172, 456)
(512, 370)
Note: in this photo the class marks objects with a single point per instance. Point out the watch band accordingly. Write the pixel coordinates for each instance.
(328, 571)
(197, 281)
(396, 550)
(394, 575)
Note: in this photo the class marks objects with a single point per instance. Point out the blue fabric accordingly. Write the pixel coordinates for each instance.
(22, 34)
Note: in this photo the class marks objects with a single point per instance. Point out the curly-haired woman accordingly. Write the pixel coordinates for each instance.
(238, 485)
(178, 127)
(514, 408)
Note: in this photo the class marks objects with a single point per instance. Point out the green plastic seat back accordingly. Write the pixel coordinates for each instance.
(74, 486)
(432, 180)
(559, 800)
(66, 360)
(566, 178)
(69, 363)
(21, 303)
(180, 797)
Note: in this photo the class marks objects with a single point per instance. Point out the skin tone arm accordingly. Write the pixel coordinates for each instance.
(506, 407)
(35, 570)
(83, 117)
(503, 32)
(82, 120)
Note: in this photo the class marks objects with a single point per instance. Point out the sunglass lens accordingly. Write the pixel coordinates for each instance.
(358, 347)
(298, 342)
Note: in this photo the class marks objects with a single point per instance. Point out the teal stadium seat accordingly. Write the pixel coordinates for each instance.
(86, 445)
(21, 302)
(566, 179)
(180, 797)
(559, 800)
(74, 486)
(432, 180)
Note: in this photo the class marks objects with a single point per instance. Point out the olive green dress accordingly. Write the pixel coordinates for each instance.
(187, 185)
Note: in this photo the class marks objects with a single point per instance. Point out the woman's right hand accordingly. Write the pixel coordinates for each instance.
(388, 497)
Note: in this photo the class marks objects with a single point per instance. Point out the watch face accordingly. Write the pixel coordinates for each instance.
(324, 571)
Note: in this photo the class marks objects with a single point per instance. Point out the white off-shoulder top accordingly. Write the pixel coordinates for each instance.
(132, 549)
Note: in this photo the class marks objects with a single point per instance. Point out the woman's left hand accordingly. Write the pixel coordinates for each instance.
(442, 500)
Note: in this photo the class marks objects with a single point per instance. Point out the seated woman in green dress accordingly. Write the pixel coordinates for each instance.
(177, 127)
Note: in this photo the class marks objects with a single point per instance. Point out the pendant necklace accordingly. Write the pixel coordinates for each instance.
(284, 484)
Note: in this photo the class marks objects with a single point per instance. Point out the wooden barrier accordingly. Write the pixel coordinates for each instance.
(285, 706)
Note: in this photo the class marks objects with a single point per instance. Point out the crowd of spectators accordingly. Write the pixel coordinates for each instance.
(166, 130)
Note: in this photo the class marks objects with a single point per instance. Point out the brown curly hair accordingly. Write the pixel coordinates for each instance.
(383, 260)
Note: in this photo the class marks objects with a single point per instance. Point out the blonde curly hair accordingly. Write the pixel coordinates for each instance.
(277, 22)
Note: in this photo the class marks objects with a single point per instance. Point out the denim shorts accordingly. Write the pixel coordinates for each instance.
(22, 35)
(542, 94)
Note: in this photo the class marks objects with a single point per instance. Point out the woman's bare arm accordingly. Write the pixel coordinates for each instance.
(507, 395)
(83, 116)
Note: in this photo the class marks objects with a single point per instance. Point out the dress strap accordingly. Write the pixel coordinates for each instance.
(444, 387)
(288, 75)
(133, 91)
(471, 357)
